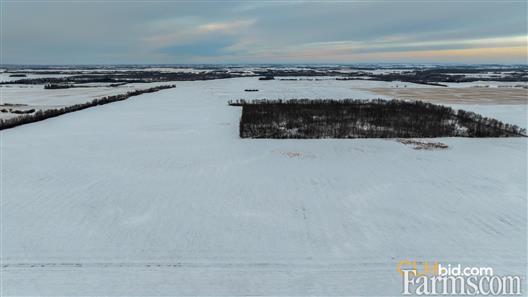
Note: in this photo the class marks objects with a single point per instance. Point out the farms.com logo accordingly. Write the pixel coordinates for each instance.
(434, 278)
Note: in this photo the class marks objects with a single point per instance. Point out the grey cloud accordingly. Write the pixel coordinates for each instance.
(119, 31)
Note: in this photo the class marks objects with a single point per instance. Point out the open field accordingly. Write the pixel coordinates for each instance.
(157, 195)
(496, 96)
(23, 97)
(32, 115)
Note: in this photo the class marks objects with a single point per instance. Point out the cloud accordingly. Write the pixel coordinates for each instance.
(391, 47)
(232, 27)
(206, 47)
(295, 31)
(177, 34)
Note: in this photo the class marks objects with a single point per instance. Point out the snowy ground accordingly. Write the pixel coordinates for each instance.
(157, 195)
(5, 77)
(36, 97)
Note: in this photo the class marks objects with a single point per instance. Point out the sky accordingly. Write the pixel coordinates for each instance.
(263, 31)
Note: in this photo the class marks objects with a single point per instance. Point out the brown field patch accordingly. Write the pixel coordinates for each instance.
(457, 95)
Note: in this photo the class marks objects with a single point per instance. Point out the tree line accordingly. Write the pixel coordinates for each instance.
(43, 114)
(353, 118)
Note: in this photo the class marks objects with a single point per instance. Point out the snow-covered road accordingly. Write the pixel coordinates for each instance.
(157, 195)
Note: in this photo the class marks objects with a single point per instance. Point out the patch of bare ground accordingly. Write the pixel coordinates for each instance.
(457, 95)
(423, 145)
(294, 154)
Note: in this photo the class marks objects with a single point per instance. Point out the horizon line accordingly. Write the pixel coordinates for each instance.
(271, 64)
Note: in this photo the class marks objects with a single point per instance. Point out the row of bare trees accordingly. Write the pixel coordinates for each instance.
(351, 118)
(43, 114)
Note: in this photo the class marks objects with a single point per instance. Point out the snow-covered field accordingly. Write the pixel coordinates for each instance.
(157, 195)
(488, 84)
(5, 77)
(35, 96)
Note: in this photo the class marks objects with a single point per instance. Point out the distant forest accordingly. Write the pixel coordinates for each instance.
(351, 118)
(75, 76)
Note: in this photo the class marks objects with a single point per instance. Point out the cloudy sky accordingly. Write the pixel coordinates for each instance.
(264, 31)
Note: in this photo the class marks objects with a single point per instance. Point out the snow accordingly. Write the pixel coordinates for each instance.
(514, 114)
(326, 85)
(157, 195)
(495, 74)
(6, 77)
(35, 96)
(177, 70)
(487, 84)
(384, 71)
